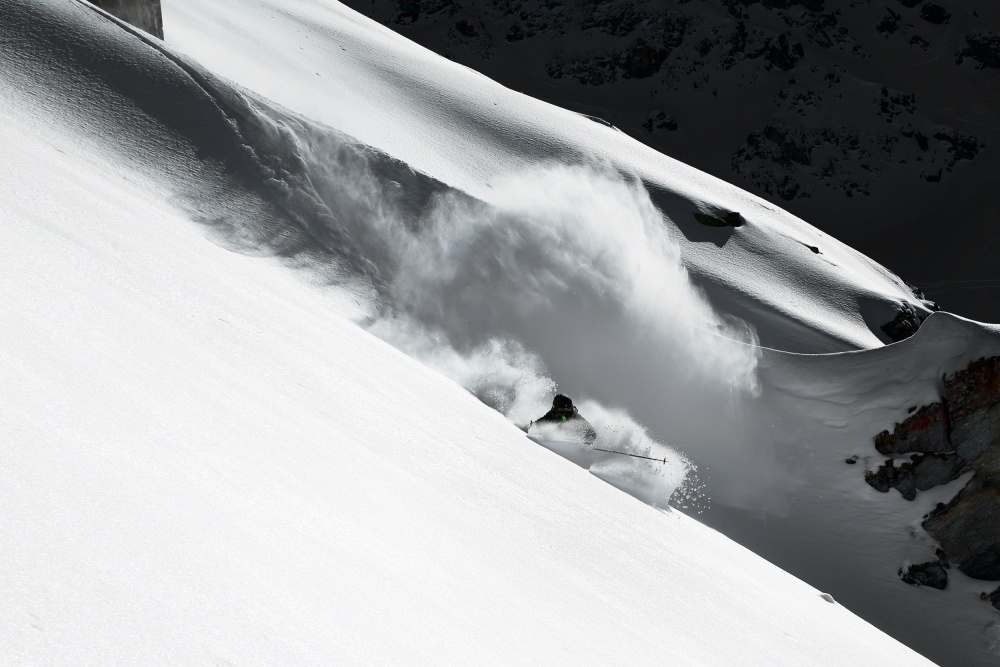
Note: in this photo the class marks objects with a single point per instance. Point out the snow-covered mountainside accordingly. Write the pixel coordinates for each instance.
(874, 121)
(211, 457)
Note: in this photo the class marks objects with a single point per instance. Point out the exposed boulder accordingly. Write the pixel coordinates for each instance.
(889, 24)
(143, 14)
(993, 598)
(904, 325)
(888, 476)
(932, 574)
(660, 120)
(926, 431)
(934, 13)
(783, 53)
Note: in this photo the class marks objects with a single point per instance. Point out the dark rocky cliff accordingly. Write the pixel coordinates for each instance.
(939, 443)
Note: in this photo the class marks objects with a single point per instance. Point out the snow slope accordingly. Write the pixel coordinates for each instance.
(326, 62)
(873, 121)
(207, 461)
(769, 434)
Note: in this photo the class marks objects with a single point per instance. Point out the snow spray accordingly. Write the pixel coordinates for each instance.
(562, 274)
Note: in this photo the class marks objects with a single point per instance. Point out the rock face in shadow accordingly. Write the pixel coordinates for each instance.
(959, 434)
(924, 432)
(920, 473)
(904, 325)
(932, 574)
(143, 14)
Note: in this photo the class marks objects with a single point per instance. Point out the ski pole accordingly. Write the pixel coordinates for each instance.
(638, 456)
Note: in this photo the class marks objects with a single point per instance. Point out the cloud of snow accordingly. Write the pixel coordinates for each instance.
(565, 278)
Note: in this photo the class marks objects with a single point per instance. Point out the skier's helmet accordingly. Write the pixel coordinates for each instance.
(561, 402)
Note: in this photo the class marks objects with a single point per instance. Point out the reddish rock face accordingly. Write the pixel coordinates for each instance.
(973, 399)
(924, 432)
(958, 434)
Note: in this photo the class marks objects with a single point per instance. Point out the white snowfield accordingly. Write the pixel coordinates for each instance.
(206, 460)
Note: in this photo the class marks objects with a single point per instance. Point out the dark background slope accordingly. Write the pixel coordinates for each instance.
(875, 121)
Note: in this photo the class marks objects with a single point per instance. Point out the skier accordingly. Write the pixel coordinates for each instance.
(565, 416)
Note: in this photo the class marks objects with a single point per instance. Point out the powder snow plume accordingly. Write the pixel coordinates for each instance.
(565, 277)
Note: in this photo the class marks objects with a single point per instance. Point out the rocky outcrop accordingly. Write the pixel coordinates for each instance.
(924, 432)
(984, 48)
(904, 325)
(731, 219)
(920, 473)
(993, 598)
(143, 14)
(973, 400)
(958, 434)
(932, 575)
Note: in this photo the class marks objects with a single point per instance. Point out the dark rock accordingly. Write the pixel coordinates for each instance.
(925, 432)
(658, 120)
(888, 477)
(930, 574)
(732, 219)
(961, 433)
(934, 13)
(919, 293)
(642, 60)
(893, 103)
(910, 3)
(967, 529)
(464, 27)
(515, 33)
(983, 48)
(852, 460)
(904, 325)
(984, 564)
(920, 473)
(889, 24)
(930, 470)
(993, 598)
(782, 53)
(143, 14)
(639, 60)
(962, 146)
(407, 12)
(973, 398)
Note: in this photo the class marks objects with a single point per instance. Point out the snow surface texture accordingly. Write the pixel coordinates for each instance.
(768, 461)
(467, 132)
(874, 121)
(206, 461)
